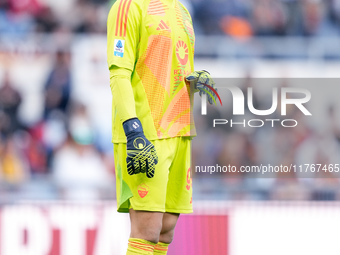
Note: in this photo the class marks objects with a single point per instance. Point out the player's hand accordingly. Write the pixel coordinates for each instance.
(200, 81)
(141, 153)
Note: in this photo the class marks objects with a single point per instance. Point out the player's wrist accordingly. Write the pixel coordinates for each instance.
(132, 127)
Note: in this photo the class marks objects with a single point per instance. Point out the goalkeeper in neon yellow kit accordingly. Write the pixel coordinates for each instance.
(150, 52)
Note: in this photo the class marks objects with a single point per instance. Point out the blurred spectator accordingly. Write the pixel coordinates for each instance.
(89, 18)
(294, 16)
(13, 22)
(269, 18)
(333, 7)
(236, 27)
(315, 20)
(58, 85)
(78, 168)
(54, 134)
(46, 21)
(14, 169)
(25, 6)
(312, 17)
(35, 151)
(10, 100)
(209, 14)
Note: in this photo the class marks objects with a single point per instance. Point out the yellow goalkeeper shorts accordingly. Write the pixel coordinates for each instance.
(170, 190)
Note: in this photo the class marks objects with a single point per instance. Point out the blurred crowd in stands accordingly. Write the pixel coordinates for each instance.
(60, 156)
(246, 18)
(57, 156)
(235, 18)
(41, 16)
(309, 152)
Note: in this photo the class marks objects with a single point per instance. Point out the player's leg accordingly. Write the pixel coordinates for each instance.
(168, 227)
(144, 198)
(179, 187)
(167, 233)
(179, 192)
(146, 225)
(145, 230)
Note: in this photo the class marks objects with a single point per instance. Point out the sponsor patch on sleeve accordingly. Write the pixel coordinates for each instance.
(119, 48)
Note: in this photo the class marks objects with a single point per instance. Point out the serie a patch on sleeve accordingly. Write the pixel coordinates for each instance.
(119, 48)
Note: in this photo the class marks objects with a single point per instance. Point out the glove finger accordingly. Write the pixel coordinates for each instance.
(151, 171)
(210, 100)
(154, 156)
(204, 78)
(129, 165)
(199, 86)
(130, 169)
(139, 166)
(143, 165)
(147, 168)
(191, 78)
(136, 166)
(202, 87)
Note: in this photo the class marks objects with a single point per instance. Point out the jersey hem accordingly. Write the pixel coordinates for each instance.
(185, 211)
(148, 209)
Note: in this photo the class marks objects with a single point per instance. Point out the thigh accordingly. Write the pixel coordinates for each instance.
(146, 225)
(137, 191)
(168, 227)
(179, 189)
(169, 222)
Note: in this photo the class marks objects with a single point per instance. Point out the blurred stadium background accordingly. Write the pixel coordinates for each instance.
(57, 185)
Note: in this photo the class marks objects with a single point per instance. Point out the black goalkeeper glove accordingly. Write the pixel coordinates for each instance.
(141, 153)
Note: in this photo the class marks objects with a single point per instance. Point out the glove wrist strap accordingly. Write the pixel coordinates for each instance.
(132, 126)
